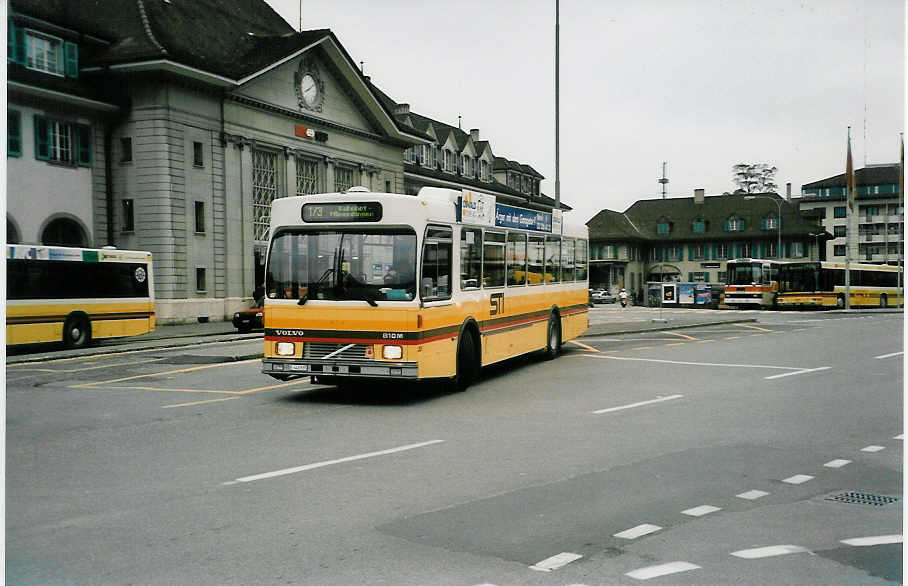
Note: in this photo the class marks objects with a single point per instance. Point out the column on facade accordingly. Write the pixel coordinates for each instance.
(291, 183)
(330, 162)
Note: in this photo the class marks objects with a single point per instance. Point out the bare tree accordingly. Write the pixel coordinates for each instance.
(754, 178)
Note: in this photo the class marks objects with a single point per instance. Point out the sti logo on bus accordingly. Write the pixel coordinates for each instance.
(496, 303)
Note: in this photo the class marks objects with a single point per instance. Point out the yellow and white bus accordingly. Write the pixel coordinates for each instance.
(74, 295)
(822, 284)
(432, 286)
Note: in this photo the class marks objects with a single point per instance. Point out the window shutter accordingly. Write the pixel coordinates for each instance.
(83, 139)
(10, 40)
(763, 224)
(19, 41)
(727, 226)
(71, 58)
(13, 133)
(42, 148)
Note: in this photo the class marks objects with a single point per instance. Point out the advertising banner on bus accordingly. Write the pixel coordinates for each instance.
(511, 217)
(477, 208)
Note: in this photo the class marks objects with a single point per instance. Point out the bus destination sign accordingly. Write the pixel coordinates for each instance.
(369, 211)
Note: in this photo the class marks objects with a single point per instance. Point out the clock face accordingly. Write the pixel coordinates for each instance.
(309, 89)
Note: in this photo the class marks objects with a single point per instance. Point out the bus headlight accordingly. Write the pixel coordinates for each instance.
(285, 349)
(391, 352)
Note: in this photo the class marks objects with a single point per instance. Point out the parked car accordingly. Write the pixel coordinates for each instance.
(247, 320)
(602, 296)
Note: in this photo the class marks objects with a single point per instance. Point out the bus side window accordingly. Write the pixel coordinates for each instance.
(552, 259)
(535, 256)
(567, 259)
(435, 282)
(470, 258)
(517, 258)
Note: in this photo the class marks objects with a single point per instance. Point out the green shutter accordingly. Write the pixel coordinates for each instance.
(15, 43)
(13, 133)
(727, 226)
(83, 138)
(71, 58)
(762, 223)
(10, 40)
(42, 138)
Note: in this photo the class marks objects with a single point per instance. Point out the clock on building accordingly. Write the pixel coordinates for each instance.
(310, 89)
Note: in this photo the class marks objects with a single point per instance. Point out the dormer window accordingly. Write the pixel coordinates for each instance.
(770, 222)
(42, 52)
(663, 227)
(449, 161)
(468, 165)
(484, 170)
(699, 226)
(734, 224)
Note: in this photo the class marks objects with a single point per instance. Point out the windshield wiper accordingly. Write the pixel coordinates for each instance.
(317, 284)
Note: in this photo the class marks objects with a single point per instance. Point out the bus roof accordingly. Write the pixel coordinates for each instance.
(45, 252)
(431, 204)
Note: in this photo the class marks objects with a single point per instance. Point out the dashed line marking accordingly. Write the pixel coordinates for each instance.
(685, 336)
(877, 540)
(662, 570)
(889, 355)
(803, 371)
(734, 338)
(798, 479)
(555, 562)
(899, 437)
(701, 510)
(194, 403)
(873, 449)
(638, 531)
(752, 327)
(641, 403)
(296, 469)
(837, 463)
(752, 495)
(766, 552)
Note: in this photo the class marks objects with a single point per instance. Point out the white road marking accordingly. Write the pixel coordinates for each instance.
(701, 510)
(685, 336)
(332, 462)
(837, 463)
(555, 562)
(638, 531)
(872, 449)
(793, 368)
(662, 570)
(766, 552)
(806, 370)
(752, 327)
(752, 495)
(878, 540)
(888, 355)
(900, 437)
(632, 405)
(798, 479)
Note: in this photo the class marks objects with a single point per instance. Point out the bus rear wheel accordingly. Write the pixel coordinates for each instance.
(76, 331)
(553, 338)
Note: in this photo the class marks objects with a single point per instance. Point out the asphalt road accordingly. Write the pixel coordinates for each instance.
(725, 454)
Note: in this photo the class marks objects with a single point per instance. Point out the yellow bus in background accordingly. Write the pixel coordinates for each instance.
(434, 286)
(822, 284)
(75, 295)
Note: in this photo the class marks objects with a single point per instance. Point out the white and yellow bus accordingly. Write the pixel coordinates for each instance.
(432, 286)
(821, 284)
(74, 295)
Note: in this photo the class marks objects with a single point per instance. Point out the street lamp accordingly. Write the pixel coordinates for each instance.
(778, 203)
(817, 245)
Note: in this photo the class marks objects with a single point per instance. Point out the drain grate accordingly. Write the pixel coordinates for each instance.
(863, 498)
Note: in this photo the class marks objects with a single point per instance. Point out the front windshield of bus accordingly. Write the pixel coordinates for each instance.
(744, 274)
(371, 264)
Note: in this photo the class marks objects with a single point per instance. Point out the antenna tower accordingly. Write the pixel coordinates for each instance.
(664, 179)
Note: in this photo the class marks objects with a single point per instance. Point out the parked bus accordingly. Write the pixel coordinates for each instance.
(822, 284)
(752, 283)
(432, 286)
(74, 295)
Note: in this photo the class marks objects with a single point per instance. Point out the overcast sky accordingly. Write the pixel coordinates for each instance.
(701, 84)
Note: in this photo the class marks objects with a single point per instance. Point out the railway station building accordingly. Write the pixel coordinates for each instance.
(171, 126)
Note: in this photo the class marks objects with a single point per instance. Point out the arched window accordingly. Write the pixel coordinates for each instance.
(734, 224)
(770, 222)
(63, 232)
(12, 234)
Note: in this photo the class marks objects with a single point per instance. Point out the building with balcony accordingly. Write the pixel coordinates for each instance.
(880, 215)
(690, 239)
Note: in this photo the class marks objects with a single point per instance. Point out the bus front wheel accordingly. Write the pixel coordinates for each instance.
(76, 331)
(467, 370)
(553, 338)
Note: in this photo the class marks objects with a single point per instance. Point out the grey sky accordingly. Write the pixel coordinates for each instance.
(701, 84)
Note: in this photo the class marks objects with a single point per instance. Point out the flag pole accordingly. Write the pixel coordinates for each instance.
(849, 213)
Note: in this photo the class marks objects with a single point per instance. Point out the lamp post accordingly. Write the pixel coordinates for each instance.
(817, 245)
(778, 203)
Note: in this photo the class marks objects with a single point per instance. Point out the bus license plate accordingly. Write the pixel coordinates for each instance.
(299, 367)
